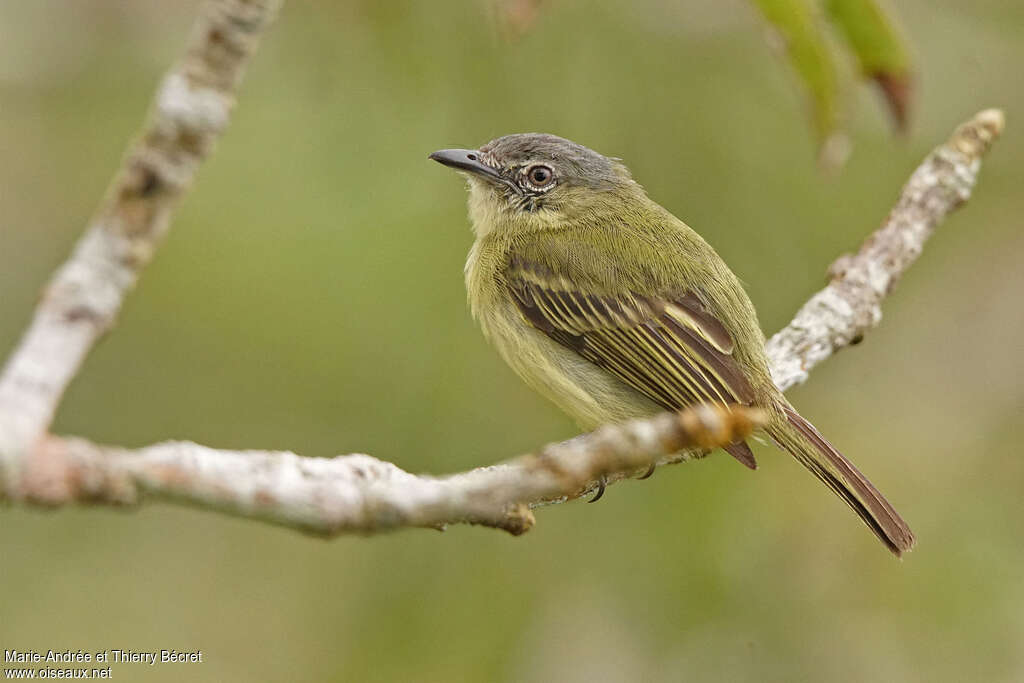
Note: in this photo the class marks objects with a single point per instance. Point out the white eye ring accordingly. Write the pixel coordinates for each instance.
(539, 177)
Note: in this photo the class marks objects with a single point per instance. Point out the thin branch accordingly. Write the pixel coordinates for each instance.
(190, 111)
(851, 304)
(357, 493)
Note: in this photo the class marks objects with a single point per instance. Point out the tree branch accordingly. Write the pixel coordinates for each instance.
(358, 493)
(190, 111)
(851, 304)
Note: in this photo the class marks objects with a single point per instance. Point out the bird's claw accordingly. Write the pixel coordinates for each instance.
(601, 483)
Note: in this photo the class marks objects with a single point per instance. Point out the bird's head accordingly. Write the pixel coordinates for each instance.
(535, 181)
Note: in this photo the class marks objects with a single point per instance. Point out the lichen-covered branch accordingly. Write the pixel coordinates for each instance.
(851, 304)
(190, 111)
(358, 493)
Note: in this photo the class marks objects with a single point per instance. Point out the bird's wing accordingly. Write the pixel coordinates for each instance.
(670, 349)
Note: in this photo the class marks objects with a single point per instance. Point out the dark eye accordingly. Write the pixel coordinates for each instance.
(540, 175)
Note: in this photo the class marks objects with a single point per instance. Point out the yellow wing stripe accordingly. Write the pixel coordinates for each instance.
(673, 355)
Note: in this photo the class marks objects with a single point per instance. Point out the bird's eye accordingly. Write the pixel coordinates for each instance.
(540, 176)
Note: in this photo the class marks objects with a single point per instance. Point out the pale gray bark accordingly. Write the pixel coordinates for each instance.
(358, 493)
(190, 111)
(851, 304)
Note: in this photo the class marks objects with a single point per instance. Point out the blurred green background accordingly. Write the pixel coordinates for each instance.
(310, 297)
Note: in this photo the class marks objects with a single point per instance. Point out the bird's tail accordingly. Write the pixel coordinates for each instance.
(806, 444)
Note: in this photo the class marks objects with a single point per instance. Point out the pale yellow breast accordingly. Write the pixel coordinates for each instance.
(587, 393)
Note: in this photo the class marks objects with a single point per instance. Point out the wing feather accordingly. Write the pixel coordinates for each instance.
(671, 349)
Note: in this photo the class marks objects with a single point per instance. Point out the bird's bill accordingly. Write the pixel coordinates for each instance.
(465, 160)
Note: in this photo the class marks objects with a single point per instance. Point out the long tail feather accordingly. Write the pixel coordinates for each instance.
(807, 445)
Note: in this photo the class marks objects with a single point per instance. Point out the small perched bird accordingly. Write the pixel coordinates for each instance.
(613, 308)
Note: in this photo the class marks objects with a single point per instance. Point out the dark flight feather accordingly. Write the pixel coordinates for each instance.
(670, 350)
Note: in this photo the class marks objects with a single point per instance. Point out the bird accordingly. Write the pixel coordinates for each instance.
(603, 301)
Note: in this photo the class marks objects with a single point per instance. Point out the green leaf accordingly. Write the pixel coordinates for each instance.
(796, 22)
(879, 48)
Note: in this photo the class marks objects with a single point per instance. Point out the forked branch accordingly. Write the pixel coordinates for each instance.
(358, 493)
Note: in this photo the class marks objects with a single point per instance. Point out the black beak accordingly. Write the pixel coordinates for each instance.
(465, 160)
